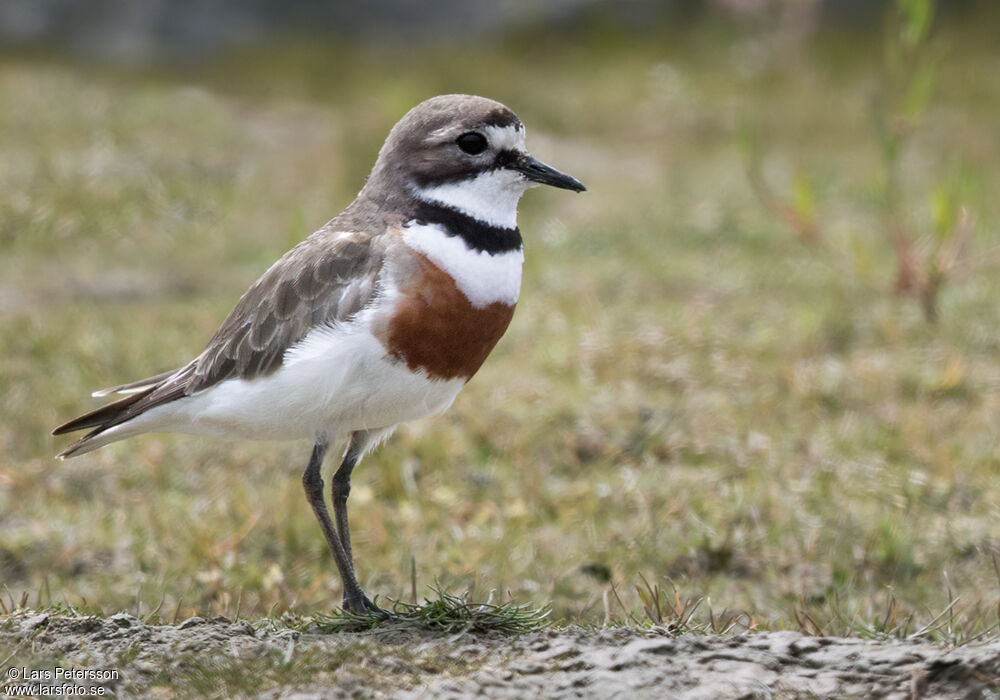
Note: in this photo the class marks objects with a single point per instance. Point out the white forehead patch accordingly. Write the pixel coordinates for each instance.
(483, 278)
(490, 197)
(504, 138)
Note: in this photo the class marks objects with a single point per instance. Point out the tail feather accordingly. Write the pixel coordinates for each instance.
(98, 437)
(103, 415)
(136, 387)
(115, 421)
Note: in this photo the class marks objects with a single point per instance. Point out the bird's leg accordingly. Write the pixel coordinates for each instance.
(354, 598)
(339, 491)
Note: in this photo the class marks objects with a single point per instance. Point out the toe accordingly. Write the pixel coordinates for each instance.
(360, 604)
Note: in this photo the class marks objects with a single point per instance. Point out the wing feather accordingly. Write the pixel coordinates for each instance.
(327, 278)
(318, 281)
(134, 387)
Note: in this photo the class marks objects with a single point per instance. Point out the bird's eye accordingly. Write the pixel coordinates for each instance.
(472, 143)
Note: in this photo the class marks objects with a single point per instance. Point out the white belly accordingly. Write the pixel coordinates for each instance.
(336, 381)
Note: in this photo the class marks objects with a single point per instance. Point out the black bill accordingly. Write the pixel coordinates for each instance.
(537, 171)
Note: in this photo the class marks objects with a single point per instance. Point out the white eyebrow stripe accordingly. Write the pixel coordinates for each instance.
(499, 137)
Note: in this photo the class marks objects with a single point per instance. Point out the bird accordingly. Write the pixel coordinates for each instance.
(378, 318)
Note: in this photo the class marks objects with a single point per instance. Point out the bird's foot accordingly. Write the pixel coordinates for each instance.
(359, 603)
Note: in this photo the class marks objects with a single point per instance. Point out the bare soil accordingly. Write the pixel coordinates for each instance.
(221, 658)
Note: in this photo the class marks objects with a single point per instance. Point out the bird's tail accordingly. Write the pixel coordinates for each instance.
(108, 423)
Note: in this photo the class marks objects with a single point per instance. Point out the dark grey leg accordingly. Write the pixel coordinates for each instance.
(339, 492)
(354, 598)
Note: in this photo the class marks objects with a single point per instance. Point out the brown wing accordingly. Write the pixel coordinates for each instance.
(319, 281)
(328, 277)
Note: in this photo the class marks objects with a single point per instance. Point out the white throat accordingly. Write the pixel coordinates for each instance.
(490, 197)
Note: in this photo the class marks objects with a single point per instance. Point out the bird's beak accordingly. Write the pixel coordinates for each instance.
(537, 171)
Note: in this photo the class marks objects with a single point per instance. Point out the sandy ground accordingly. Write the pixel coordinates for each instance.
(239, 659)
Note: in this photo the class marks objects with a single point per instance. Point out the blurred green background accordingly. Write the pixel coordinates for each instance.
(717, 375)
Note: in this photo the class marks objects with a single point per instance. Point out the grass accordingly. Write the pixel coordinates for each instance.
(685, 393)
(443, 612)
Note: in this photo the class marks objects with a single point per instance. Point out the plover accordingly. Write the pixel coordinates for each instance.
(378, 318)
